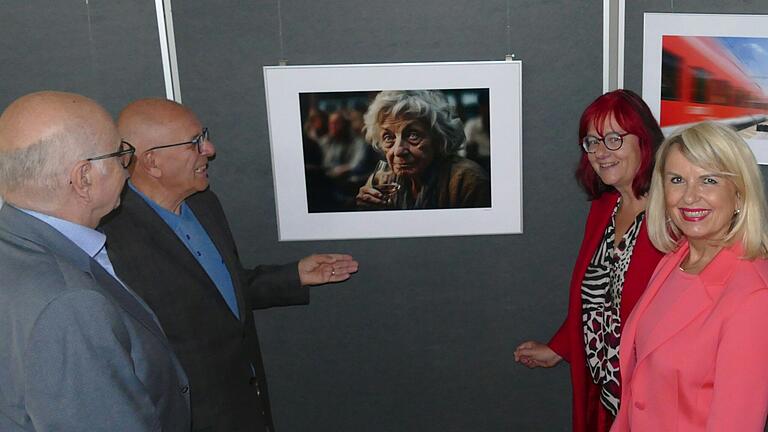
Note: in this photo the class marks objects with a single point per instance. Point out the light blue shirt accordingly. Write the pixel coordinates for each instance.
(89, 240)
(92, 242)
(188, 229)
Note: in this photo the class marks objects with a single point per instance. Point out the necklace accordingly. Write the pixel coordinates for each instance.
(690, 268)
(699, 265)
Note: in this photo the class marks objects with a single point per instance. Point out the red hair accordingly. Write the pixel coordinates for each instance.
(634, 116)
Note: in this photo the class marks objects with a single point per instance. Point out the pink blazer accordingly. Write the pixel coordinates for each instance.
(706, 367)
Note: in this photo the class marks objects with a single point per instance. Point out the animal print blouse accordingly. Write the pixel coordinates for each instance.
(600, 303)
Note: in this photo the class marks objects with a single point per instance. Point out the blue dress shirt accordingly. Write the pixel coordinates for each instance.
(199, 243)
(89, 240)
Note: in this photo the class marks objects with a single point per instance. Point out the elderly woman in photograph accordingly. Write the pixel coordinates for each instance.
(420, 137)
(619, 138)
(694, 350)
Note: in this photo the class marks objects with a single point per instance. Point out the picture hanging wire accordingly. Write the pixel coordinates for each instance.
(282, 61)
(510, 56)
(90, 36)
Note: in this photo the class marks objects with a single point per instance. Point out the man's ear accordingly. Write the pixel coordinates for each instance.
(81, 179)
(149, 164)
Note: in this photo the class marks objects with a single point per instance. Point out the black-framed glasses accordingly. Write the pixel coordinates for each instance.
(125, 154)
(612, 141)
(198, 141)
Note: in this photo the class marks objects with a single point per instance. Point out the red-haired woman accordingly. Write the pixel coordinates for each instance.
(619, 137)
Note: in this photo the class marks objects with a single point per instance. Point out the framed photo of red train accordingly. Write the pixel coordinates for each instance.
(700, 67)
(396, 150)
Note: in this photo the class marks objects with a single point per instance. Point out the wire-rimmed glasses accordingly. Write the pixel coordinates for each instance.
(198, 141)
(125, 154)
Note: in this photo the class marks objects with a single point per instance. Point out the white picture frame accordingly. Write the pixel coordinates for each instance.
(503, 79)
(715, 40)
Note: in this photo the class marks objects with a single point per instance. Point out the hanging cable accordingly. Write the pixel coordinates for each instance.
(509, 55)
(282, 61)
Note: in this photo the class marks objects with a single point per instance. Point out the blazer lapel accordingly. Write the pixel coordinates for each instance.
(692, 302)
(592, 238)
(47, 237)
(162, 234)
(164, 237)
(217, 235)
(605, 213)
(127, 300)
(628, 333)
(36, 231)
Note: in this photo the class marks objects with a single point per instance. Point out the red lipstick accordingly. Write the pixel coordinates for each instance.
(694, 214)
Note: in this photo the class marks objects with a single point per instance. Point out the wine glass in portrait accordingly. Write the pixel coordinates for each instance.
(385, 181)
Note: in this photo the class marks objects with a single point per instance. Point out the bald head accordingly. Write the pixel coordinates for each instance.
(147, 123)
(178, 168)
(43, 134)
(40, 115)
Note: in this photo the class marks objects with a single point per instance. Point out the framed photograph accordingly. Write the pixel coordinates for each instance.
(700, 67)
(396, 150)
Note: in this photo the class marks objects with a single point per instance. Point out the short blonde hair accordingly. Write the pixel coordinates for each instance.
(718, 148)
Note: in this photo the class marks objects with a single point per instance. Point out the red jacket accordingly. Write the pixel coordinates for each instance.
(569, 339)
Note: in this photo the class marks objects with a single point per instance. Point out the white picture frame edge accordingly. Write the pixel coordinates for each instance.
(283, 84)
(659, 24)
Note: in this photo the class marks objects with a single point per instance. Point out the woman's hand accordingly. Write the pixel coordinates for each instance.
(536, 354)
(369, 197)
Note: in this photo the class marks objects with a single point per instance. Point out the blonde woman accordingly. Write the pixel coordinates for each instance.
(694, 350)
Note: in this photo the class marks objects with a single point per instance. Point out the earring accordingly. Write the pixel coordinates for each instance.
(737, 211)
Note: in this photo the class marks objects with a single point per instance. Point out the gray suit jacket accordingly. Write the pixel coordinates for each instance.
(77, 350)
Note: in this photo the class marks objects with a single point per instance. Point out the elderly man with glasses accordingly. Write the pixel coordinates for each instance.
(79, 351)
(172, 241)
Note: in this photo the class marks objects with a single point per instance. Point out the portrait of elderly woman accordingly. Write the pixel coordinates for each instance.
(421, 140)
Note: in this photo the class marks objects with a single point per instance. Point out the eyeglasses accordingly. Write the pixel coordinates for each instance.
(612, 141)
(125, 154)
(197, 141)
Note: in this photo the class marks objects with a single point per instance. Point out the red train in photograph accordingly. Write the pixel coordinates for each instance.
(702, 80)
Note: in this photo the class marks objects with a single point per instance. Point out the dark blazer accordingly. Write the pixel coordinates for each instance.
(569, 339)
(78, 352)
(219, 352)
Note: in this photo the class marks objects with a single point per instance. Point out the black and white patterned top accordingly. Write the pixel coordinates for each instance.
(600, 305)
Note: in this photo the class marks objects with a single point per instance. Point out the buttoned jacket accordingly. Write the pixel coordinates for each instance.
(703, 365)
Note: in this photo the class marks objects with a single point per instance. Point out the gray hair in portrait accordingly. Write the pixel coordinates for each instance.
(429, 106)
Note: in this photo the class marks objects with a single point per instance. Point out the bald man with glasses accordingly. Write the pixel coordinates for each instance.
(171, 239)
(79, 351)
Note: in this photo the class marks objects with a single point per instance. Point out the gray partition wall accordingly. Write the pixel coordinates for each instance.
(421, 339)
(107, 50)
